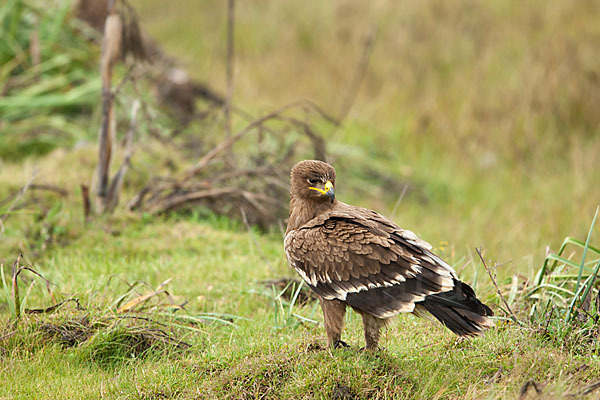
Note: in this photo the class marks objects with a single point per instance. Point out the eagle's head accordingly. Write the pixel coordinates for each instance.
(313, 180)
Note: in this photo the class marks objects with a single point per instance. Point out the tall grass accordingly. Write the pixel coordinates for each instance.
(49, 77)
(565, 294)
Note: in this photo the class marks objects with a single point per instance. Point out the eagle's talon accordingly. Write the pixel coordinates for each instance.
(379, 348)
(340, 344)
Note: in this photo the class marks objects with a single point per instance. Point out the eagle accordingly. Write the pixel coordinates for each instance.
(356, 257)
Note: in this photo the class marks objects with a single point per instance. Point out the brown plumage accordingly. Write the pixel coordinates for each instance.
(352, 256)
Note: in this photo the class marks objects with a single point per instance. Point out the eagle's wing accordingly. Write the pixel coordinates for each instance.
(360, 257)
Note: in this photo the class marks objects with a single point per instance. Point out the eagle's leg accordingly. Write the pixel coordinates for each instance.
(372, 327)
(333, 313)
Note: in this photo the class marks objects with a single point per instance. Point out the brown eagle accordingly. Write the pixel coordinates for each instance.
(352, 256)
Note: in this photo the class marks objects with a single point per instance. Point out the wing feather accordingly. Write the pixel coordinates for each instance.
(358, 256)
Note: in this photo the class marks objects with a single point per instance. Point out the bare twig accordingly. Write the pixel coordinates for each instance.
(226, 144)
(524, 393)
(400, 198)
(117, 181)
(230, 61)
(589, 389)
(15, 287)
(54, 307)
(548, 320)
(317, 141)
(493, 278)
(147, 114)
(128, 76)
(322, 113)
(309, 105)
(15, 197)
(121, 35)
(85, 194)
(50, 188)
(111, 50)
(359, 75)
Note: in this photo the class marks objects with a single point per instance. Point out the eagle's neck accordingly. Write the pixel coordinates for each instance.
(302, 211)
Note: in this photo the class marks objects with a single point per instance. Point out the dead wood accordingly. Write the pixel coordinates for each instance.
(256, 189)
(204, 161)
(53, 308)
(121, 37)
(85, 194)
(96, 12)
(530, 390)
(117, 181)
(111, 50)
(49, 188)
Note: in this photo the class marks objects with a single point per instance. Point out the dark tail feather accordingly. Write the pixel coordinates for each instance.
(459, 310)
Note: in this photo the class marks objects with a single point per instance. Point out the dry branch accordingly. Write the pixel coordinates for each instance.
(117, 181)
(85, 194)
(204, 161)
(111, 50)
(121, 37)
(49, 188)
(493, 278)
(256, 189)
(53, 308)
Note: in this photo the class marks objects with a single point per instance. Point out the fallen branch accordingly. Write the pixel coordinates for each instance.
(255, 188)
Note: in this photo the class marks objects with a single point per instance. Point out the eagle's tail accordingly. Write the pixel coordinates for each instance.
(459, 310)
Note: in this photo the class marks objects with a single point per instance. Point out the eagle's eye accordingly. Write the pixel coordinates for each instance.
(313, 181)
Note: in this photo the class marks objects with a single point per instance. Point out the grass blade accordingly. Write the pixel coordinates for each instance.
(585, 249)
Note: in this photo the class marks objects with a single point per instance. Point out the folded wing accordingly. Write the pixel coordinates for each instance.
(359, 257)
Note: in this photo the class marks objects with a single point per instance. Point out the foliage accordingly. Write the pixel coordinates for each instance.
(49, 75)
(565, 297)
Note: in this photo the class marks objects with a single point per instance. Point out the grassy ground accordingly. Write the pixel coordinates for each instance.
(217, 265)
(474, 122)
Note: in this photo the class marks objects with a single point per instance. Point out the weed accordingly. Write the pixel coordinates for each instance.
(283, 309)
(562, 294)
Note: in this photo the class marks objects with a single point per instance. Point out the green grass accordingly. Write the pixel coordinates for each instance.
(218, 270)
(215, 264)
(49, 78)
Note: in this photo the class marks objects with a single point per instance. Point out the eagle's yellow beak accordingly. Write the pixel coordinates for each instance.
(327, 190)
